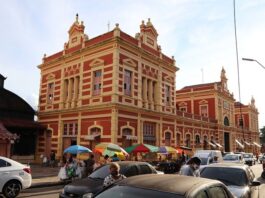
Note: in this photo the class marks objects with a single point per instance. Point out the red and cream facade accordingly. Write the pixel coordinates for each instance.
(116, 88)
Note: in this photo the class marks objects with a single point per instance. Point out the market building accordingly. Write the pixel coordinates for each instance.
(18, 130)
(120, 89)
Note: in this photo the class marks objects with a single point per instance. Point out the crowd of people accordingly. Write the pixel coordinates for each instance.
(72, 167)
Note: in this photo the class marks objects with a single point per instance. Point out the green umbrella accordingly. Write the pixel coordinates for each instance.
(141, 148)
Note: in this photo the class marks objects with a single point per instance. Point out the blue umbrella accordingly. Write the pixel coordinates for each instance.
(76, 149)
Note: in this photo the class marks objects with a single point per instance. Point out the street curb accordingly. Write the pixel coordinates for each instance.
(48, 184)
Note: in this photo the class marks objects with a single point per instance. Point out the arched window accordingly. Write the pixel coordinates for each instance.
(167, 138)
(126, 137)
(197, 139)
(95, 133)
(226, 121)
(178, 139)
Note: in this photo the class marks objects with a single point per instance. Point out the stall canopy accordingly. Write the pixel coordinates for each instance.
(258, 145)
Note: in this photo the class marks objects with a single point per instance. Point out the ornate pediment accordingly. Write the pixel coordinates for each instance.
(129, 62)
(97, 62)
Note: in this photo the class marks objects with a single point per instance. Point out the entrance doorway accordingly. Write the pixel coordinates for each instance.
(227, 142)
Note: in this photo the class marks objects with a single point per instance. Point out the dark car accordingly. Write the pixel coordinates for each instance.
(94, 182)
(168, 167)
(166, 186)
(238, 178)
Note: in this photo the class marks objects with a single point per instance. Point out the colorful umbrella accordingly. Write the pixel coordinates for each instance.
(109, 149)
(167, 149)
(76, 149)
(141, 148)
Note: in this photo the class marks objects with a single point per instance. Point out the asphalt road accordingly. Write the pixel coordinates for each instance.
(47, 192)
(53, 191)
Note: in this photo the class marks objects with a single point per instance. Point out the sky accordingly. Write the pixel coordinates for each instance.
(200, 34)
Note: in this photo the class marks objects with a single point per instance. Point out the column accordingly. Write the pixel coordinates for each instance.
(70, 87)
(145, 91)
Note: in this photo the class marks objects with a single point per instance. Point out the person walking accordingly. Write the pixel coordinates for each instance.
(89, 165)
(192, 167)
(114, 176)
(52, 159)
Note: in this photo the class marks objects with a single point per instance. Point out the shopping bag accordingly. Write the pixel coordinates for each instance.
(62, 174)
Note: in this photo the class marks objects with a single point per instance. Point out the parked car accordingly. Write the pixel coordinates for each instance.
(94, 182)
(249, 159)
(261, 158)
(234, 158)
(166, 186)
(14, 177)
(168, 167)
(238, 178)
(209, 154)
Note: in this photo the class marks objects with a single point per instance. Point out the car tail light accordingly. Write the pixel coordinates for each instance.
(28, 170)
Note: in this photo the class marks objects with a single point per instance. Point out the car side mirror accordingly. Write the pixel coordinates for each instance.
(255, 183)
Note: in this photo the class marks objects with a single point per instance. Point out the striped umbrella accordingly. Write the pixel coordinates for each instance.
(142, 148)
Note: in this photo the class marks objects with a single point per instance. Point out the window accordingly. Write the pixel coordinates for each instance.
(188, 140)
(50, 93)
(97, 82)
(167, 138)
(167, 94)
(178, 139)
(70, 129)
(145, 169)
(4, 163)
(132, 170)
(197, 139)
(201, 194)
(226, 121)
(184, 109)
(204, 110)
(149, 133)
(127, 85)
(217, 192)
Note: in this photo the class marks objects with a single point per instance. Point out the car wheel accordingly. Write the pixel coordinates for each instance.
(11, 189)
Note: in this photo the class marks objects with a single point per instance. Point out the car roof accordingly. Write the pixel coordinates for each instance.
(229, 165)
(178, 184)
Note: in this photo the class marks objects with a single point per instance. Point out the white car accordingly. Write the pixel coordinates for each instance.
(14, 177)
(234, 158)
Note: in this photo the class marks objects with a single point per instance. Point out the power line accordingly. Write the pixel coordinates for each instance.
(238, 76)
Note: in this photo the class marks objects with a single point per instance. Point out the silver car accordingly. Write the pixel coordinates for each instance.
(238, 178)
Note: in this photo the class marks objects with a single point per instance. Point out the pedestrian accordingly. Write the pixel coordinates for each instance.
(183, 158)
(89, 165)
(215, 159)
(192, 167)
(106, 159)
(115, 158)
(114, 176)
(52, 159)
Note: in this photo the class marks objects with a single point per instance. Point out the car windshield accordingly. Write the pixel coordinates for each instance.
(132, 192)
(247, 156)
(230, 157)
(103, 172)
(204, 161)
(229, 176)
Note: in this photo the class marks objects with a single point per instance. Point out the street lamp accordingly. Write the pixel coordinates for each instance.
(250, 59)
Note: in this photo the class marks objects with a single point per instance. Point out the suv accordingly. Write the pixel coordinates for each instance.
(94, 182)
(14, 177)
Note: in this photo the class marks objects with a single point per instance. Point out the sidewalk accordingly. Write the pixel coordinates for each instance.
(45, 176)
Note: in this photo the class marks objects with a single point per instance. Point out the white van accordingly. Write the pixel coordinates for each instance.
(209, 155)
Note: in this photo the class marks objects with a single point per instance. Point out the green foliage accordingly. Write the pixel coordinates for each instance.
(262, 135)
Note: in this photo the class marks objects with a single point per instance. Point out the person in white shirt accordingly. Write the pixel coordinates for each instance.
(192, 167)
(114, 175)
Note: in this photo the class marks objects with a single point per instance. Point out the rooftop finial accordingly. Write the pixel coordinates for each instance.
(76, 17)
